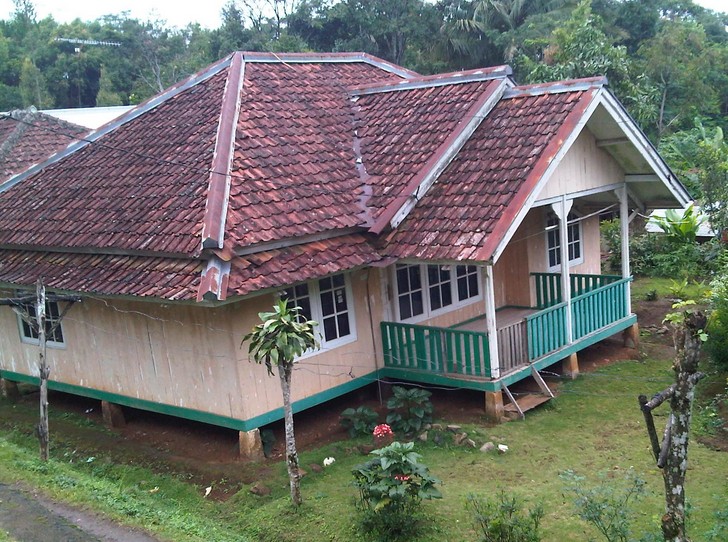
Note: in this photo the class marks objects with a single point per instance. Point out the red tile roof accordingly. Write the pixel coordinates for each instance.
(287, 161)
(28, 137)
(103, 274)
(465, 213)
(285, 266)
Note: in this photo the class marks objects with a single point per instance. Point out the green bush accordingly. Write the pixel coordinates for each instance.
(391, 488)
(654, 255)
(358, 421)
(505, 520)
(717, 343)
(609, 505)
(409, 409)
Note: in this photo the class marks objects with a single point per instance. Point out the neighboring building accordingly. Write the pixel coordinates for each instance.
(90, 117)
(421, 220)
(28, 137)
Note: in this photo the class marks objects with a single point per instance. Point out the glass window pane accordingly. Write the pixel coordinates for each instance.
(473, 283)
(402, 279)
(338, 280)
(330, 328)
(343, 320)
(463, 288)
(414, 277)
(446, 294)
(405, 307)
(327, 303)
(417, 304)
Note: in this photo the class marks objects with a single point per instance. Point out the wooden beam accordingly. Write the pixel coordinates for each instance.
(612, 141)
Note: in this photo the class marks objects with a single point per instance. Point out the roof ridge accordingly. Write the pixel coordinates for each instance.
(398, 209)
(283, 58)
(553, 87)
(423, 81)
(112, 125)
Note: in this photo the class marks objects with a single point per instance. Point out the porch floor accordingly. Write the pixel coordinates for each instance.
(503, 317)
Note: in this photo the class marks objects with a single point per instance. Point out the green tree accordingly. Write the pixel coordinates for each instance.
(283, 335)
(677, 61)
(713, 176)
(33, 88)
(580, 48)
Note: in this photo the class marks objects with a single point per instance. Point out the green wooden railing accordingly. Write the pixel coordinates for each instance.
(599, 301)
(548, 286)
(546, 331)
(435, 349)
(598, 308)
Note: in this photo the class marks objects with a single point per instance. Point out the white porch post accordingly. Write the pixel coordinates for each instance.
(562, 212)
(624, 231)
(490, 324)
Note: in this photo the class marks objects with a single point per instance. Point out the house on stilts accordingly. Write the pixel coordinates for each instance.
(424, 222)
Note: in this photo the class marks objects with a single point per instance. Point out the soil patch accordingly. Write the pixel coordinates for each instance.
(30, 518)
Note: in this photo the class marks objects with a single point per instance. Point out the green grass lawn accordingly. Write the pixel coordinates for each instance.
(593, 427)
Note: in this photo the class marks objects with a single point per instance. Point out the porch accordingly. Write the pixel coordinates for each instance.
(527, 338)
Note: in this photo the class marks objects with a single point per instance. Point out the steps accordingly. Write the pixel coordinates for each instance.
(524, 403)
(517, 408)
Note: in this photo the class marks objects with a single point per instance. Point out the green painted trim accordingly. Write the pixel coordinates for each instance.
(313, 400)
(516, 376)
(192, 414)
(569, 349)
(438, 379)
(469, 320)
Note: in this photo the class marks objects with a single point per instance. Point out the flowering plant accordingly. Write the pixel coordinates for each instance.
(391, 487)
(382, 430)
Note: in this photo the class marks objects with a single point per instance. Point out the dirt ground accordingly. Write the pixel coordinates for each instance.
(207, 455)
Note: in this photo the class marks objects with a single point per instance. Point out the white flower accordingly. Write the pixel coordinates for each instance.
(329, 461)
(502, 448)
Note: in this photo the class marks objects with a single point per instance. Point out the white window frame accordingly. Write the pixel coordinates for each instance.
(573, 223)
(314, 295)
(50, 321)
(425, 284)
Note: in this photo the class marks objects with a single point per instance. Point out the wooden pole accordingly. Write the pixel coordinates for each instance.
(44, 371)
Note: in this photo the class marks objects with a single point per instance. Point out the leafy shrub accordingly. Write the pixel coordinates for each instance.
(651, 295)
(653, 255)
(358, 421)
(409, 409)
(608, 505)
(391, 488)
(717, 344)
(505, 520)
(611, 235)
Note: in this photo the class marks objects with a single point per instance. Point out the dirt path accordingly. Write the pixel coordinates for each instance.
(30, 518)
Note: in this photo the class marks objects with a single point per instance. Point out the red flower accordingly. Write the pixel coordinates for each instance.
(401, 477)
(382, 430)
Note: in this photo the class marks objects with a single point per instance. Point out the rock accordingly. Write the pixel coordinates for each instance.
(315, 467)
(454, 428)
(437, 439)
(427, 426)
(436, 427)
(502, 448)
(423, 437)
(460, 438)
(260, 490)
(487, 447)
(470, 443)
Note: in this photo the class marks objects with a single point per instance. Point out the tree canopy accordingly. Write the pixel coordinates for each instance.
(667, 60)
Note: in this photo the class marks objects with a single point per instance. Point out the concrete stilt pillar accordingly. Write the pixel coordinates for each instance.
(251, 445)
(570, 366)
(113, 414)
(494, 406)
(9, 389)
(631, 336)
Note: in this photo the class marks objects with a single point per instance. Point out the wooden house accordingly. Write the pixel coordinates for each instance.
(422, 221)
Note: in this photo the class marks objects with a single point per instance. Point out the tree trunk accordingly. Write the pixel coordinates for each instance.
(294, 475)
(687, 345)
(44, 371)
